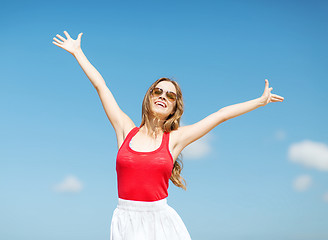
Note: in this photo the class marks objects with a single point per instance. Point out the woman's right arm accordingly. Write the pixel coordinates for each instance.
(121, 123)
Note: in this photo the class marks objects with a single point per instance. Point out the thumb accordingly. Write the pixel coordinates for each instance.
(80, 35)
(266, 83)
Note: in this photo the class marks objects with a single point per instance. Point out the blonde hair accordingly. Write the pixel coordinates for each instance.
(171, 123)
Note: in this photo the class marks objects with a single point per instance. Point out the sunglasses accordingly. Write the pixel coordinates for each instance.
(171, 96)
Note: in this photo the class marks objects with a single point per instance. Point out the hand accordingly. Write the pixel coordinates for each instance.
(268, 97)
(69, 44)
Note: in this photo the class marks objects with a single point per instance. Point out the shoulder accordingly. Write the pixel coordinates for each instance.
(176, 143)
(121, 135)
(185, 135)
(128, 129)
(175, 136)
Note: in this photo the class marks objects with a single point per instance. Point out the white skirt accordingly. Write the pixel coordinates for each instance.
(138, 220)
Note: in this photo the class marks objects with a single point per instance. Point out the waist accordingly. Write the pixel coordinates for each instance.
(142, 206)
(142, 187)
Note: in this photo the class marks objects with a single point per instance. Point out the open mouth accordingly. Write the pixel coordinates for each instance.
(161, 104)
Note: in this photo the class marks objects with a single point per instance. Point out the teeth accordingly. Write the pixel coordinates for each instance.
(160, 104)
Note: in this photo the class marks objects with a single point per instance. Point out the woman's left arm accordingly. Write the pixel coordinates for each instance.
(190, 133)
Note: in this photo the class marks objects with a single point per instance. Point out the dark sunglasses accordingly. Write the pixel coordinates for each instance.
(156, 92)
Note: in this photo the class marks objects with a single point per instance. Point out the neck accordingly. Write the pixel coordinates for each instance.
(155, 127)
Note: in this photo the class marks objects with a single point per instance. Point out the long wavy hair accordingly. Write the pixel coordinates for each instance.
(171, 123)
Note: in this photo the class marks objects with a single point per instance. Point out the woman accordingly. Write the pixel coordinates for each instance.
(148, 155)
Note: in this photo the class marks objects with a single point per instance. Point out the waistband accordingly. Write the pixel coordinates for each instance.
(141, 205)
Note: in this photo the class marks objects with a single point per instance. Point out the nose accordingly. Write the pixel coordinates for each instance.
(162, 96)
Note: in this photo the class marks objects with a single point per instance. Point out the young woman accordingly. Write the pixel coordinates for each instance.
(148, 155)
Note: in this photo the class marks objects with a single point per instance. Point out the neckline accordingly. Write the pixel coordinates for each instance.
(156, 150)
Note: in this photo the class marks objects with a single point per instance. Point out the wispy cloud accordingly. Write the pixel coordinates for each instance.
(302, 183)
(70, 184)
(325, 197)
(199, 148)
(280, 135)
(310, 154)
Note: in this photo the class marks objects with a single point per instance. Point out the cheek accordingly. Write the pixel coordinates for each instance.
(151, 103)
(172, 107)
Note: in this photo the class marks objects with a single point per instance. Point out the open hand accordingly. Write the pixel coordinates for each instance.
(69, 44)
(268, 97)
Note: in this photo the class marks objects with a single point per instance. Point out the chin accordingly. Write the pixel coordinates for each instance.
(160, 114)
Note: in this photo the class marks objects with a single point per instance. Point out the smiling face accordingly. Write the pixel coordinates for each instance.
(161, 106)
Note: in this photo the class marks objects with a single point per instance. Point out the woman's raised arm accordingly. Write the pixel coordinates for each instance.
(119, 120)
(190, 133)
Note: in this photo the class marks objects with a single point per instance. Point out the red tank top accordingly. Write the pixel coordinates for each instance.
(143, 176)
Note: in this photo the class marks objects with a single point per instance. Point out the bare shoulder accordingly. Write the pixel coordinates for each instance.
(176, 145)
(123, 132)
(175, 136)
(128, 129)
(185, 135)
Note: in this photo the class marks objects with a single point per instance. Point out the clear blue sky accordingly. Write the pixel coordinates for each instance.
(262, 175)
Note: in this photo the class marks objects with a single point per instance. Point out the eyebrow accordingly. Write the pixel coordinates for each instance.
(166, 90)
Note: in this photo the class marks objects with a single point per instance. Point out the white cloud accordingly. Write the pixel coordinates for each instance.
(325, 197)
(198, 149)
(69, 184)
(302, 183)
(310, 154)
(280, 135)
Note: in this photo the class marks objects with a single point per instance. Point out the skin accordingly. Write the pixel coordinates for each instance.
(147, 140)
(162, 113)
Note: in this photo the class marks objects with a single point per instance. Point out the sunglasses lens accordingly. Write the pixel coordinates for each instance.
(171, 96)
(157, 91)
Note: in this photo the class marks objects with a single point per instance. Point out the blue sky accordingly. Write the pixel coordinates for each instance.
(262, 175)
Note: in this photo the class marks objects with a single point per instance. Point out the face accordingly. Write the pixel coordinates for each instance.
(161, 106)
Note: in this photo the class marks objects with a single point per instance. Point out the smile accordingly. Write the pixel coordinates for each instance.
(160, 103)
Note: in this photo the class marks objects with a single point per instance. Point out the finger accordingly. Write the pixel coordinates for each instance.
(60, 37)
(277, 96)
(57, 40)
(80, 35)
(58, 45)
(276, 99)
(273, 97)
(266, 83)
(67, 35)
